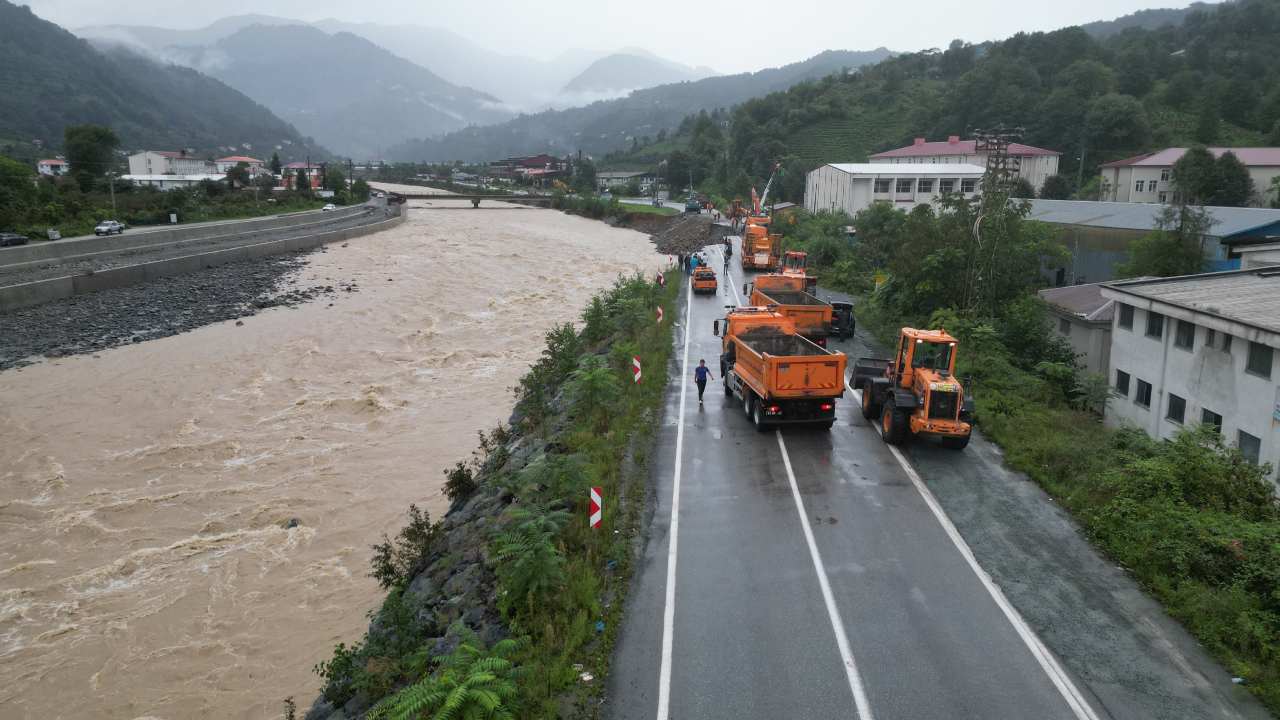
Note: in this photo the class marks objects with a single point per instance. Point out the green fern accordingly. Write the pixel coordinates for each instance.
(530, 565)
(469, 684)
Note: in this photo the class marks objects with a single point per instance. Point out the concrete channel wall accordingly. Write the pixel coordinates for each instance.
(35, 293)
(71, 249)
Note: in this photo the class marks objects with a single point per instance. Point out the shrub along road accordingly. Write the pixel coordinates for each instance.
(816, 574)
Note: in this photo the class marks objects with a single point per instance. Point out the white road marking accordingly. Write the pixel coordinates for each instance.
(833, 613)
(1061, 680)
(673, 544)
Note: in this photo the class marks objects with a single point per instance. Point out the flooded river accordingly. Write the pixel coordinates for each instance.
(149, 562)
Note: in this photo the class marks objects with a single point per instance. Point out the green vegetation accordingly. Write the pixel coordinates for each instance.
(1195, 523)
(649, 210)
(558, 584)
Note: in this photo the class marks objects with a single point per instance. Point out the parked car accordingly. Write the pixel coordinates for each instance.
(328, 207)
(107, 227)
(8, 238)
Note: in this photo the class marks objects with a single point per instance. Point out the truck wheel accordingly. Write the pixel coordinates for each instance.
(893, 424)
(746, 400)
(955, 443)
(757, 416)
(869, 409)
(826, 425)
(728, 391)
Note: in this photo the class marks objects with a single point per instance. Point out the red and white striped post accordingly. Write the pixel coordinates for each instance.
(597, 506)
(659, 316)
(635, 367)
(662, 281)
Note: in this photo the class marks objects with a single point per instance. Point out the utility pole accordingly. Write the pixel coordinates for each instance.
(996, 181)
(111, 182)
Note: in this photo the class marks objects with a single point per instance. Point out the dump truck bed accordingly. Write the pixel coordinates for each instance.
(811, 315)
(783, 366)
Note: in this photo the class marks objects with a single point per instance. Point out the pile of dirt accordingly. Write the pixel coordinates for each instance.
(687, 234)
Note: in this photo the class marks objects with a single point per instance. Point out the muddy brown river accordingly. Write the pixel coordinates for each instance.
(147, 564)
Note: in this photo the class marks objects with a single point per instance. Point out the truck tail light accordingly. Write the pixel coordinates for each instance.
(827, 406)
(822, 342)
(773, 409)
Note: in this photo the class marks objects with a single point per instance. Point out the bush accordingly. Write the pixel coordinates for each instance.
(395, 562)
(459, 482)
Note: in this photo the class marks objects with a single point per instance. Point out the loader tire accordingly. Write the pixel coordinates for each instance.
(870, 410)
(893, 424)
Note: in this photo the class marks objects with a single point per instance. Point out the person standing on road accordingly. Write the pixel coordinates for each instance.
(700, 375)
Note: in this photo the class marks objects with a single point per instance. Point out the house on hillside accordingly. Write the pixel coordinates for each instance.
(609, 179)
(256, 166)
(1082, 316)
(530, 167)
(1034, 164)
(53, 167)
(851, 187)
(1148, 178)
(1200, 349)
(170, 181)
(314, 173)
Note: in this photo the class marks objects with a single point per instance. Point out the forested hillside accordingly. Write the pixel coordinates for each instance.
(52, 79)
(1210, 79)
(609, 125)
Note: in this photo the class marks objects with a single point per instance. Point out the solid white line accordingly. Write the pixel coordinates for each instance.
(833, 613)
(1061, 680)
(673, 541)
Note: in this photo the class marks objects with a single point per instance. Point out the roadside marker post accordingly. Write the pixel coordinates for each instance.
(659, 316)
(635, 367)
(597, 506)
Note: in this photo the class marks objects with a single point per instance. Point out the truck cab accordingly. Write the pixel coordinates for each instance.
(916, 392)
(795, 264)
(704, 280)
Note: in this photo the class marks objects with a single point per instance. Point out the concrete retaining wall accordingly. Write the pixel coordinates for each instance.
(35, 293)
(70, 249)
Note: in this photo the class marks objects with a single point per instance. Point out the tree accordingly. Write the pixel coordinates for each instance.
(90, 152)
(275, 163)
(302, 181)
(1056, 187)
(238, 176)
(1175, 247)
(1117, 122)
(1233, 186)
(333, 179)
(1022, 188)
(1207, 123)
(360, 190)
(17, 193)
(1195, 176)
(584, 175)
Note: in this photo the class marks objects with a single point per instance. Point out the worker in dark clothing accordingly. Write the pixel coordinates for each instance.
(700, 375)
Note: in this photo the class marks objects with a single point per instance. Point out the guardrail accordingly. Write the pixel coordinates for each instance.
(35, 293)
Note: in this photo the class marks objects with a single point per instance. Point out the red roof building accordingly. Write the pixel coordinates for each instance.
(1035, 164)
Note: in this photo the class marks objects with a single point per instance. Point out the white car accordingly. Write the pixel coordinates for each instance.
(328, 207)
(107, 227)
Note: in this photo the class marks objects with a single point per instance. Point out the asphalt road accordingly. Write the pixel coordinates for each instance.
(816, 574)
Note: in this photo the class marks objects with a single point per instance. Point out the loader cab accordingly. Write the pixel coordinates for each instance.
(928, 353)
(794, 262)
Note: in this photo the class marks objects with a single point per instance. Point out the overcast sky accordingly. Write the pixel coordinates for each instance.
(727, 36)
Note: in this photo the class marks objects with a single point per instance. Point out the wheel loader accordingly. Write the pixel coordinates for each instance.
(916, 392)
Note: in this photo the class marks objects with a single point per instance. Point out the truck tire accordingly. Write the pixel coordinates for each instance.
(728, 391)
(870, 410)
(757, 416)
(955, 442)
(826, 425)
(746, 400)
(893, 424)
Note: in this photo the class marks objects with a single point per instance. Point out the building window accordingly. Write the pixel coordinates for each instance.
(1250, 446)
(1143, 397)
(1259, 362)
(1122, 383)
(947, 185)
(924, 186)
(1151, 186)
(1185, 335)
(1164, 175)
(1137, 187)
(1209, 417)
(1177, 411)
(1126, 316)
(1155, 325)
(968, 185)
(904, 186)
(1217, 340)
(1164, 197)
(1064, 326)
(882, 186)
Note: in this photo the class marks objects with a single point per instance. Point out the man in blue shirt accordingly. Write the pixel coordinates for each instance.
(700, 375)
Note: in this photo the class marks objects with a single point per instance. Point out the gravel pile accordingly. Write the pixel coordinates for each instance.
(168, 306)
(687, 234)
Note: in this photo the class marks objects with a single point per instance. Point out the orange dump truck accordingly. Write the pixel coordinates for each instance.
(786, 294)
(760, 248)
(704, 280)
(781, 377)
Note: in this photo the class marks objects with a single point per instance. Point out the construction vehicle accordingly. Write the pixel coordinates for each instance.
(781, 377)
(704, 280)
(786, 295)
(760, 248)
(795, 263)
(916, 393)
(842, 320)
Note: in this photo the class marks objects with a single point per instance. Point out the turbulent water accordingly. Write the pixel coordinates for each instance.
(149, 565)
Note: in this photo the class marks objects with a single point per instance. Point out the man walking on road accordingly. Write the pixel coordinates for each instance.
(700, 375)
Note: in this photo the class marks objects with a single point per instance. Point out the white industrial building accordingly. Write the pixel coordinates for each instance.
(1034, 164)
(1200, 349)
(169, 182)
(1082, 316)
(850, 187)
(169, 162)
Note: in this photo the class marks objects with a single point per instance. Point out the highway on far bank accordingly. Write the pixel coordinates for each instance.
(813, 574)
